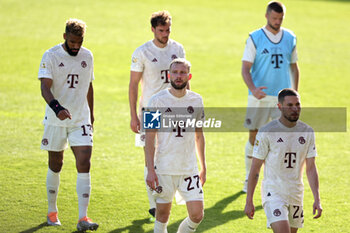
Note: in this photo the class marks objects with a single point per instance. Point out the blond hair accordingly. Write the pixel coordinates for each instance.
(76, 27)
(181, 61)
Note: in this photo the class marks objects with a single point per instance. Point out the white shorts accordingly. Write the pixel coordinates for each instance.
(189, 187)
(260, 112)
(55, 138)
(278, 210)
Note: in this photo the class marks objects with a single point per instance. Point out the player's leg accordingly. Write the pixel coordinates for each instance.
(52, 185)
(80, 140)
(281, 227)
(248, 152)
(82, 156)
(293, 230)
(191, 190)
(164, 196)
(258, 114)
(195, 211)
(54, 141)
(162, 217)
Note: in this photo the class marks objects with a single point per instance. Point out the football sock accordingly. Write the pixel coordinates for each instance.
(187, 226)
(151, 198)
(248, 161)
(52, 183)
(160, 227)
(83, 191)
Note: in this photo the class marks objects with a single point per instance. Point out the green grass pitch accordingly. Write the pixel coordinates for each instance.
(213, 34)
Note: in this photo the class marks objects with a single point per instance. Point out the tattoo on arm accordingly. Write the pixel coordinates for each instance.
(257, 176)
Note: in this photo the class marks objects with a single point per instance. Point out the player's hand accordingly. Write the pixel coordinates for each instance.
(203, 177)
(249, 210)
(135, 124)
(152, 179)
(64, 114)
(317, 207)
(259, 93)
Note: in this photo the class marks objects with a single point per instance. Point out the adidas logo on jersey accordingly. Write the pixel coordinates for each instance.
(280, 140)
(61, 65)
(265, 51)
(154, 60)
(168, 110)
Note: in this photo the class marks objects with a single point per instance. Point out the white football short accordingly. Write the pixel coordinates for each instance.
(260, 112)
(189, 187)
(278, 210)
(56, 138)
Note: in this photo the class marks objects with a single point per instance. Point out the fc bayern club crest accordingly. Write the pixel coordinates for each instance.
(248, 121)
(277, 212)
(173, 56)
(143, 137)
(301, 140)
(190, 109)
(45, 142)
(83, 64)
(159, 189)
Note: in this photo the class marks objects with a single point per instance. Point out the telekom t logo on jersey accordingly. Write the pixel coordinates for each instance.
(164, 75)
(277, 59)
(72, 79)
(290, 159)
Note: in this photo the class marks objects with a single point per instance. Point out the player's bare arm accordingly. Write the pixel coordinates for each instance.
(295, 74)
(312, 176)
(247, 77)
(135, 78)
(152, 179)
(252, 182)
(46, 93)
(200, 147)
(90, 99)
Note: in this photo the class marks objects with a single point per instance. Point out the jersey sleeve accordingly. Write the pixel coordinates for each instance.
(312, 152)
(200, 113)
(294, 57)
(45, 69)
(92, 69)
(137, 63)
(249, 51)
(261, 146)
(182, 52)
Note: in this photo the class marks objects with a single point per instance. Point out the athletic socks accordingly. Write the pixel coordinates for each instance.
(151, 198)
(160, 227)
(248, 158)
(52, 183)
(83, 191)
(187, 226)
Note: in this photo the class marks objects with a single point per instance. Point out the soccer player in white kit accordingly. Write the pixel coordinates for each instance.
(150, 66)
(269, 63)
(285, 146)
(172, 163)
(66, 74)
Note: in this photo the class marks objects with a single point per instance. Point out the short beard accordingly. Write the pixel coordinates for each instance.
(276, 29)
(290, 119)
(182, 86)
(69, 51)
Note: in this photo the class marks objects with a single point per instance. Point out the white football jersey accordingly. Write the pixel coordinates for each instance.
(154, 63)
(284, 151)
(71, 77)
(175, 152)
